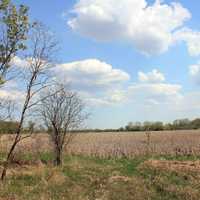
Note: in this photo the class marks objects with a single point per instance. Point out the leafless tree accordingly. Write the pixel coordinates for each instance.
(62, 112)
(35, 76)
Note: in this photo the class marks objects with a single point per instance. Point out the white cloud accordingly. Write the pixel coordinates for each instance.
(94, 80)
(97, 82)
(155, 92)
(194, 71)
(19, 62)
(92, 99)
(107, 98)
(11, 94)
(101, 84)
(91, 73)
(191, 38)
(148, 27)
(117, 96)
(151, 77)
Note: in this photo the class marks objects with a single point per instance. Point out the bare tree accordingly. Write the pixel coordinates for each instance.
(39, 60)
(62, 112)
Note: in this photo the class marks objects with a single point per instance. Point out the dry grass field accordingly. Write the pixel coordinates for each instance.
(105, 145)
(137, 143)
(106, 166)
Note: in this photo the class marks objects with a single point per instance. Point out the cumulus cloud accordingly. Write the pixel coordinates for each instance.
(95, 80)
(155, 92)
(103, 85)
(152, 89)
(148, 27)
(100, 83)
(107, 98)
(191, 38)
(151, 77)
(194, 71)
(91, 72)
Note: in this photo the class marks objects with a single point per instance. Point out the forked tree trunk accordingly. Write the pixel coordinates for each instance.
(58, 160)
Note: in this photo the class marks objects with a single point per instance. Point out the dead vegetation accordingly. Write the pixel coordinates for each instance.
(106, 166)
(177, 166)
(109, 145)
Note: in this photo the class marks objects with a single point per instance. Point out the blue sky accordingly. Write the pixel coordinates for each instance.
(133, 60)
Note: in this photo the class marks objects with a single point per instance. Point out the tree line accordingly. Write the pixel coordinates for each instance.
(179, 124)
(9, 127)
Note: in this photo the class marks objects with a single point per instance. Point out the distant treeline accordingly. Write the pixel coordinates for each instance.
(8, 127)
(179, 124)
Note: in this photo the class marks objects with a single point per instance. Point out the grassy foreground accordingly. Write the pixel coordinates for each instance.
(86, 178)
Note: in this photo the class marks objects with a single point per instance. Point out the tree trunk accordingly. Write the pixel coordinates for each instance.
(19, 128)
(10, 153)
(58, 157)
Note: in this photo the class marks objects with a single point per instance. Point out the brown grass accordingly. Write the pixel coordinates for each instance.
(118, 144)
(177, 166)
(90, 177)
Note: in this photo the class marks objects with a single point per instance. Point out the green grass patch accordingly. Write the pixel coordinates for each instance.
(46, 157)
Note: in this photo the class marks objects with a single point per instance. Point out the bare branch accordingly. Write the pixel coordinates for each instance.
(61, 111)
(39, 61)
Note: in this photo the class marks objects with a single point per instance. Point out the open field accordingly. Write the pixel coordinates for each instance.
(128, 145)
(106, 166)
(87, 178)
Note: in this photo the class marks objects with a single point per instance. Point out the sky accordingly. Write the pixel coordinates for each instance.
(130, 60)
